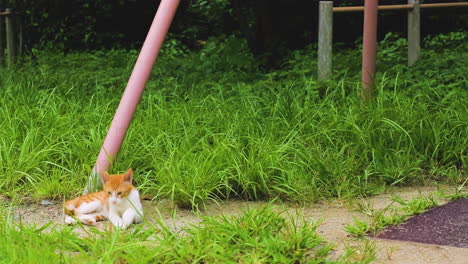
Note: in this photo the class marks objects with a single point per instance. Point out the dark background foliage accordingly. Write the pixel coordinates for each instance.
(271, 27)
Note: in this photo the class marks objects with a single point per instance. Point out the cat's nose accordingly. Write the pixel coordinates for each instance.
(114, 202)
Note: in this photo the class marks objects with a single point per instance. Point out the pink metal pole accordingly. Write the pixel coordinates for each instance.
(369, 49)
(134, 90)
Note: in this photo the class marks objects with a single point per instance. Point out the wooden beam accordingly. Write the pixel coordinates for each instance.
(325, 40)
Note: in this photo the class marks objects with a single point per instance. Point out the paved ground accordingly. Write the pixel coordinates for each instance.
(335, 214)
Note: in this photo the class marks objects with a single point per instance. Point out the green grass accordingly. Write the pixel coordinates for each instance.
(255, 236)
(212, 126)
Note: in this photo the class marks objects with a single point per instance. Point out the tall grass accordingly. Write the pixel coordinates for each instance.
(212, 126)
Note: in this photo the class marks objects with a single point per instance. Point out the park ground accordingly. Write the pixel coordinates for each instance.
(334, 216)
(216, 134)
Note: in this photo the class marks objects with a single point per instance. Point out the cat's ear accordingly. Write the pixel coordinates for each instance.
(104, 176)
(128, 176)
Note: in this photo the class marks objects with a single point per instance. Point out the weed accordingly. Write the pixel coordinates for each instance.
(417, 205)
(388, 216)
(359, 229)
(361, 253)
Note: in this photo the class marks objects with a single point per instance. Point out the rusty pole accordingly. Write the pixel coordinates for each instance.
(369, 49)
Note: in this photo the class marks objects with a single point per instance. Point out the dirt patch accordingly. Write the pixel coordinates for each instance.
(334, 215)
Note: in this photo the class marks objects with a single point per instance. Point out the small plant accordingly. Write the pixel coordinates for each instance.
(460, 191)
(361, 253)
(386, 217)
(389, 216)
(416, 205)
(358, 229)
(256, 236)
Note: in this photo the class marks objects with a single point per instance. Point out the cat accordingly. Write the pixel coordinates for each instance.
(119, 202)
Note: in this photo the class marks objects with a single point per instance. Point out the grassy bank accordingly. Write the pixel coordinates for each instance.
(212, 126)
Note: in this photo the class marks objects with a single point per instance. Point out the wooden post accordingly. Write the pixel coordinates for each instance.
(2, 38)
(19, 34)
(325, 40)
(10, 37)
(369, 49)
(414, 33)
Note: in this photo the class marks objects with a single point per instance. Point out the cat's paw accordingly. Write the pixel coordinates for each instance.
(70, 220)
(117, 222)
(87, 220)
(129, 217)
(125, 226)
(90, 222)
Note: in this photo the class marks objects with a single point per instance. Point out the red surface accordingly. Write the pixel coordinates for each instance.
(443, 225)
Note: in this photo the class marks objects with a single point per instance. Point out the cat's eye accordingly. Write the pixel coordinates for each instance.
(119, 193)
(109, 193)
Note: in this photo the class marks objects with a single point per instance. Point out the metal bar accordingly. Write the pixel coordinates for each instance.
(132, 94)
(437, 5)
(398, 7)
(325, 40)
(369, 49)
(361, 8)
(395, 7)
(414, 33)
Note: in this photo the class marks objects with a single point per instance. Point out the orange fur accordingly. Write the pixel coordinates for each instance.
(120, 184)
(72, 205)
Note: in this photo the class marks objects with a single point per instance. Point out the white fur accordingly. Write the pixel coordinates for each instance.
(91, 207)
(124, 212)
(86, 213)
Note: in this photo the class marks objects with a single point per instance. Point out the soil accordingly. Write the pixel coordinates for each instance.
(334, 214)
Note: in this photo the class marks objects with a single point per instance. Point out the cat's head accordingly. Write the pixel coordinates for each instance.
(117, 186)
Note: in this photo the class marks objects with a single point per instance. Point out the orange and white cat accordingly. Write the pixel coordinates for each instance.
(119, 202)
